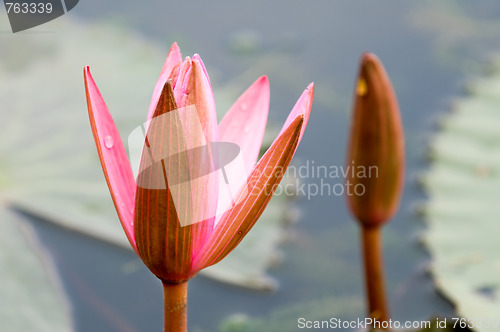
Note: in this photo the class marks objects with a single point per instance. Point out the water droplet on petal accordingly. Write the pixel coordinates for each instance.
(108, 142)
(244, 106)
(239, 232)
(246, 129)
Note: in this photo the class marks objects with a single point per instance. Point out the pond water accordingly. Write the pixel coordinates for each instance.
(428, 52)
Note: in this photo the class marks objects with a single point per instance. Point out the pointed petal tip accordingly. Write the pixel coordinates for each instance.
(309, 92)
(91, 90)
(174, 52)
(175, 47)
(261, 84)
(264, 81)
(166, 101)
(86, 73)
(263, 78)
(306, 98)
(169, 70)
(302, 107)
(196, 60)
(174, 55)
(199, 61)
(198, 72)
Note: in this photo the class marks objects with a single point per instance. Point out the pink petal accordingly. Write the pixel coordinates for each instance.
(245, 122)
(262, 182)
(192, 122)
(193, 91)
(197, 57)
(114, 161)
(179, 85)
(165, 246)
(193, 88)
(174, 58)
(302, 107)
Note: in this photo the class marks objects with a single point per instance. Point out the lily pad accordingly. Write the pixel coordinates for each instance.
(294, 317)
(463, 212)
(30, 295)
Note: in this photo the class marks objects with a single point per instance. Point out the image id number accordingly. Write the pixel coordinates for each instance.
(28, 8)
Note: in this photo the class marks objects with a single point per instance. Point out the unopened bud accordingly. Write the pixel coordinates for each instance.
(376, 146)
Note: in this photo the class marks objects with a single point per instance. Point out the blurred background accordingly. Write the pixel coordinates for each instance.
(62, 247)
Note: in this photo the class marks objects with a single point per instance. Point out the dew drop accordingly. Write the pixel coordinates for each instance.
(239, 232)
(244, 106)
(108, 142)
(246, 129)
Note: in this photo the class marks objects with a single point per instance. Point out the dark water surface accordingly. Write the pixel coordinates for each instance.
(294, 42)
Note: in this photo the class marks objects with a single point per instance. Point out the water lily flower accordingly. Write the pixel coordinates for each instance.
(149, 214)
(376, 143)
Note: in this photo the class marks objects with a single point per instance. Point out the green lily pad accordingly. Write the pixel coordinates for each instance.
(291, 317)
(30, 294)
(463, 212)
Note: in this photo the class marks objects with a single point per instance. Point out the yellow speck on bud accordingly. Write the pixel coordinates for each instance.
(361, 88)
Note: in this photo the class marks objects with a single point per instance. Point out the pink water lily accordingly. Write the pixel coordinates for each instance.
(175, 253)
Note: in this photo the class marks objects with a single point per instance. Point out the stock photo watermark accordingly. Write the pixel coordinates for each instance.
(25, 14)
(171, 152)
(310, 180)
(373, 323)
(175, 155)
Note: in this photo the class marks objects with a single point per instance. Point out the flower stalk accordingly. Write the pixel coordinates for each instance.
(175, 306)
(374, 270)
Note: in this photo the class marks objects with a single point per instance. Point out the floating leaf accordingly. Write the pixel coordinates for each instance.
(463, 213)
(294, 317)
(30, 297)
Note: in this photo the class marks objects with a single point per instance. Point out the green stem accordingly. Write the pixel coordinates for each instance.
(175, 306)
(374, 274)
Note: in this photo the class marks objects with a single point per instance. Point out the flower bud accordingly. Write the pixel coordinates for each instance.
(375, 159)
